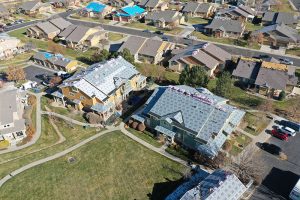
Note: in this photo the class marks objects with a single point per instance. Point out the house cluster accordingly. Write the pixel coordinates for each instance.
(9, 46)
(220, 184)
(194, 118)
(101, 87)
(150, 50)
(12, 124)
(266, 77)
(34, 7)
(73, 36)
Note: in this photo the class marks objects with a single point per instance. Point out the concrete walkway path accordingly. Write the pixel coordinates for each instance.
(57, 155)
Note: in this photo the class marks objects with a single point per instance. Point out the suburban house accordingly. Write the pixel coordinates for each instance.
(49, 29)
(64, 3)
(129, 14)
(219, 185)
(152, 5)
(241, 12)
(195, 9)
(12, 103)
(164, 19)
(120, 3)
(194, 118)
(269, 4)
(150, 50)
(102, 86)
(207, 55)
(54, 61)
(225, 27)
(279, 35)
(96, 9)
(4, 13)
(286, 18)
(34, 7)
(79, 37)
(9, 46)
(266, 78)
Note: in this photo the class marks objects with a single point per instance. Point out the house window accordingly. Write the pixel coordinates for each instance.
(20, 133)
(74, 89)
(82, 98)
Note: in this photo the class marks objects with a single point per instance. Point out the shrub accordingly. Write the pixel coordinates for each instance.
(227, 146)
(134, 125)
(141, 127)
(94, 118)
(282, 95)
(31, 100)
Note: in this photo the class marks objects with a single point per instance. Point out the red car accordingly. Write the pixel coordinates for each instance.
(280, 135)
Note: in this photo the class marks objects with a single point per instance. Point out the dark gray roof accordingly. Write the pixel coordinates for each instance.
(133, 44)
(67, 31)
(203, 7)
(150, 47)
(270, 78)
(47, 27)
(60, 23)
(247, 9)
(246, 69)
(56, 59)
(225, 24)
(74, 33)
(29, 5)
(196, 7)
(151, 3)
(268, 16)
(167, 15)
(279, 17)
(216, 52)
(280, 32)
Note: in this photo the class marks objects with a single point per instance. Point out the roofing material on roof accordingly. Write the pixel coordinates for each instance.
(60, 23)
(96, 7)
(276, 66)
(131, 11)
(226, 24)
(166, 16)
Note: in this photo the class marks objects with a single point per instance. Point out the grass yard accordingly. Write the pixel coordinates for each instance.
(90, 19)
(252, 27)
(255, 123)
(115, 36)
(179, 152)
(72, 133)
(230, 41)
(144, 26)
(293, 51)
(197, 20)
(239, 142)
(283, 7)
(4, 144)
(146, 136)
(17, 60)
(63, 111)
(111, 167)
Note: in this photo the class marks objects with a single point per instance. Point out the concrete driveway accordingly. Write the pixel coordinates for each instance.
(279, 176)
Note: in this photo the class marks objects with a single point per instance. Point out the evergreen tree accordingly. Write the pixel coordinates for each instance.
(224, 85)
(195, 77)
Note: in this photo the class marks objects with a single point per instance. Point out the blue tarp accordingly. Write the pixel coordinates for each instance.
(95, 7)
(131, 11)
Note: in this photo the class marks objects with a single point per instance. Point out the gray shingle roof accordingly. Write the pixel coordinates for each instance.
(67, 31)
(60, 23)
(57, 59)
(246, 69)
(167, 15)
(29, 5)
(202, 114)
(268, 16)
(74, 33)
(47, 27)
(275, 79)
(150, 47)
(151, 3)
(226, 25)
(196, 7)
(279, 17)
(133, 44)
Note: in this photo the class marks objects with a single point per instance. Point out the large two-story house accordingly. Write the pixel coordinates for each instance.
(195, 118)
(101, 86)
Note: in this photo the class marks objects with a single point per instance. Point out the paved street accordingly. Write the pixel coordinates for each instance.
(279, 175)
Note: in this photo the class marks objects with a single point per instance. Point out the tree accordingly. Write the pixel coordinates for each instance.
(266, 106)
(55, 80)
(224, 85)
(127, 55)
(282, 95)
(260, 38)
(94, 118)
(195, 77)
(55, 48)
(246, 167)
(15, 74)
(99, 57)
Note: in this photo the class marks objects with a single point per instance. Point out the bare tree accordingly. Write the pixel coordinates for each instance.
(15, 73)
(266, 106)
(246, 167)
(55, 48)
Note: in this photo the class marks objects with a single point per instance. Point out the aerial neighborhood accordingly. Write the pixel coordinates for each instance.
(150, 99)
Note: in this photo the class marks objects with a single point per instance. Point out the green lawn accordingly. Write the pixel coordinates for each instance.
(179, 152)
(48, 138)
(146, 136)
(237, 42)
(293, 51)
(197, 20)
(63, 111)
(144, 26)
(240, 139)
(90, 19)
(255, 123)
(115, 36)
(17, 60)
(252, 27)
(283, 7)
(111, 167)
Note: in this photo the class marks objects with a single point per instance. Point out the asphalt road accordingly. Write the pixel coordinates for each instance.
(279, 175)
(232, 49)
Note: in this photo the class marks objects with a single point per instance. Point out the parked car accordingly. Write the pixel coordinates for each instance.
(146, 31)
(280, 135)
(65, 76)
(59, 73)
(165, 38)
(287, 130)
(286, 61)
(270, 148)
(292, 125)
(159, 32)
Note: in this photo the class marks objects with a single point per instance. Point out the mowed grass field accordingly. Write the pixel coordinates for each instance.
(110, 167)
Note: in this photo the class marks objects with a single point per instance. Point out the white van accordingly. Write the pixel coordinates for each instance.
(295, 193)
(287, 130)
